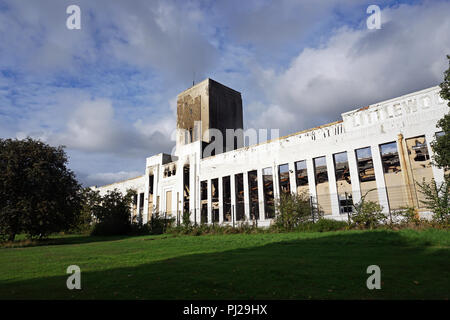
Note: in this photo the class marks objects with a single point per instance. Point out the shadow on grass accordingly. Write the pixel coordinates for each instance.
(329, 267)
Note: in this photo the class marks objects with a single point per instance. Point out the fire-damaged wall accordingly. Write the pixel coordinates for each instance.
(215, 105)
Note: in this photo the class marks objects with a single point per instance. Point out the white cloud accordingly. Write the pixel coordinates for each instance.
(100, 179)
(356, 67)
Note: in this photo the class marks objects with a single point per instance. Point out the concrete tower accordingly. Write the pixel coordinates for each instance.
(208, 105)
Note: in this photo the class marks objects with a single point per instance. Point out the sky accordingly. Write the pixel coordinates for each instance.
(108, 91)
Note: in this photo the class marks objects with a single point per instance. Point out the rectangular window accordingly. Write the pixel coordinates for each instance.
(322, 186)
(366, 174)
(186, 188)
(301, 176)
(253, 194)
(420, 163)
(215, 199)
(226, 194)
(269, 202)
(283, 173)
(239, 188)
(343, 182)
(393, 176)
(204, 202)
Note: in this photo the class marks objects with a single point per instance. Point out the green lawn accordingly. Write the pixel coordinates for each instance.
(330, 265)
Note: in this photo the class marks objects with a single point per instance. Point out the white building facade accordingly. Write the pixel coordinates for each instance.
(379, 152)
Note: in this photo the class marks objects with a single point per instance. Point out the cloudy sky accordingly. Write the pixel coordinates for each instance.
(108, 91)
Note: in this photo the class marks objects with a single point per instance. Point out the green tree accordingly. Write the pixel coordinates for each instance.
(113, 214)
(441, 144)
(90, 200)
(39, 195)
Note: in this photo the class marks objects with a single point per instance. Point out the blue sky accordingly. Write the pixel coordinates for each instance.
(108, 91)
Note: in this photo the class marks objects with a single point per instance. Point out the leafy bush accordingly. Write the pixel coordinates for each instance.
(160, 224)
(186, 219)
(367, 214)
(437, 199)
(292, 210)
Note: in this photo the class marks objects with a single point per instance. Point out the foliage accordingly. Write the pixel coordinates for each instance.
(292, 210)
(112, 215)
(39, 195)
(367, 214)
(90, 200)
(441, 144)
(160, 224)
(437, 199)
(186, 219)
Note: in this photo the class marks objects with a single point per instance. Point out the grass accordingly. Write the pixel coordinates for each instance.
(328, 265)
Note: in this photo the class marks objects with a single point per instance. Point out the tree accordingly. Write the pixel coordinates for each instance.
(39, 195)
(113, 214)
(90, 200)
(441, 144)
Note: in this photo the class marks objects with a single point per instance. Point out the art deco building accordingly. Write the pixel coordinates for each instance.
(379, 151)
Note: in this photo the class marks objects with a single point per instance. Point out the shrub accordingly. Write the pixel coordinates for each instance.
(292, 210)
(160, 224)
(367, 214)
(437, 199)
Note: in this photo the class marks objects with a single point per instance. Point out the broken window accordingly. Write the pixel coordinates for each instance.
(343, 182)
(215, 199)
(420, 162)
(366, 174)
(186, 188)
(283, 173)
(141, 207)
(253, 194)
(204, 202)
(269, 203)
(239, 188)
(393, 178)
(322, 186)
(301, 175)
(226, 194)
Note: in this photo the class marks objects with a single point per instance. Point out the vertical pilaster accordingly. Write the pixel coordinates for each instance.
(220, 200)
(332, 185)
(261, 194)
(379, 177)
(246, 197)
(354, 176)
(292, 178)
